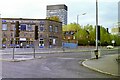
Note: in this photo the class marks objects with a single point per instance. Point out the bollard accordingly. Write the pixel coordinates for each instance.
(96, 53)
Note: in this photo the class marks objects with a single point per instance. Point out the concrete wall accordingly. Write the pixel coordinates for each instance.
(0, 33)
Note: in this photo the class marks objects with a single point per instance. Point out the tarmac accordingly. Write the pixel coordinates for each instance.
(106, 64)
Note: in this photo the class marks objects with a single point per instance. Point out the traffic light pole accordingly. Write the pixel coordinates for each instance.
(13, 52)
(34, 50)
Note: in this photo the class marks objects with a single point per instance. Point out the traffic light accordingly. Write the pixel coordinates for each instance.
(36, 32)
(17, 29)
(98, 32)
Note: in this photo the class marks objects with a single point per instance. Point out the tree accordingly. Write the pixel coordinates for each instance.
(55, 18)
(71, 27)
(105, 36)
(91, 30)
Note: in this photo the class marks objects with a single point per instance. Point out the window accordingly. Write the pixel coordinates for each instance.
(11, 34)
(41, 28)
(29, 27)
(50, 28)
(42, 22)
(23, 27)
(12, 27)
(41, 43)
(54, 41)
(41, 35)
(25, 34)
(4, 26)
(4, 35)
(56, 29)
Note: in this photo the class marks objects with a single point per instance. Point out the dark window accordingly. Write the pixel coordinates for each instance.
(56, 29)
(42, 22)
(29, 27)
(4, 34)
(41, 35)
(11, 34)
(41, 28)
(23, 27)
(50, 28)
(25, 34)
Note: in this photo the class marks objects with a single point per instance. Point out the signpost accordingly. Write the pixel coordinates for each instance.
(113, 42)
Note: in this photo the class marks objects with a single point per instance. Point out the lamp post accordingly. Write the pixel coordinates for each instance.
(78, 23)
(97, 25)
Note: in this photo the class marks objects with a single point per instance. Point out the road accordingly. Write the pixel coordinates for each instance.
(59, 65)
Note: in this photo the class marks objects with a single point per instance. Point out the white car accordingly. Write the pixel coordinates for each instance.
(110, 47)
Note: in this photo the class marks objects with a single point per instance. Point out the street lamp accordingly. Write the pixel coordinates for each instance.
(78, 23)
(96, 24)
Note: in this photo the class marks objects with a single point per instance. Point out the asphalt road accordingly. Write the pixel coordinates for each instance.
(60, 65)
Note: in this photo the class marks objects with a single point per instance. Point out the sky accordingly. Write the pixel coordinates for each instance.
(36, 9)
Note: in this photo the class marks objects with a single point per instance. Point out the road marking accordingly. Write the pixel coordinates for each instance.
(66, 58)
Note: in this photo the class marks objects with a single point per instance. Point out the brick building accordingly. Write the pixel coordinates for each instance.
(49, 32)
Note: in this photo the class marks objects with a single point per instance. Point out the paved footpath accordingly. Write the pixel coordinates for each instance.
(106, 64)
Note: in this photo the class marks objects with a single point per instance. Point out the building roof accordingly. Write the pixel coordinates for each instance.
(56, 7)
(27, 19)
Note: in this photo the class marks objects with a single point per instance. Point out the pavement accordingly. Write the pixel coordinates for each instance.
(106, 64)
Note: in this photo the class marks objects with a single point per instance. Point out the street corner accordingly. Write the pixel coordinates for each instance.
(101, 65)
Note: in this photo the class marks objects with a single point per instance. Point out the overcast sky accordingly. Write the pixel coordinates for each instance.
(108, 10)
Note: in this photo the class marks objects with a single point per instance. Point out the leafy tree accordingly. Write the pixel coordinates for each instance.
(87, 35)
(3, 40)
(55, 18)
(82, 37)
(91, 34)
(105, 36)
(71, 27)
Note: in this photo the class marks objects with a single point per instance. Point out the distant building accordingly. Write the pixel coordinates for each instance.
(58, 10)
(116, 29)
(49, 32)
(69, 37)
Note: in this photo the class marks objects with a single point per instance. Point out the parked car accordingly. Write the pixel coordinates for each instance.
(27, 46)
(3, 45)
(17, 46)
(110, 47)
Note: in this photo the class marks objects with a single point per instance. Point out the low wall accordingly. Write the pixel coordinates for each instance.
(70, 45)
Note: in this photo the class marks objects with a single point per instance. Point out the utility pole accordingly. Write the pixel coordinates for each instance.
(77, 29)
(96, 50)
(96, 24)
